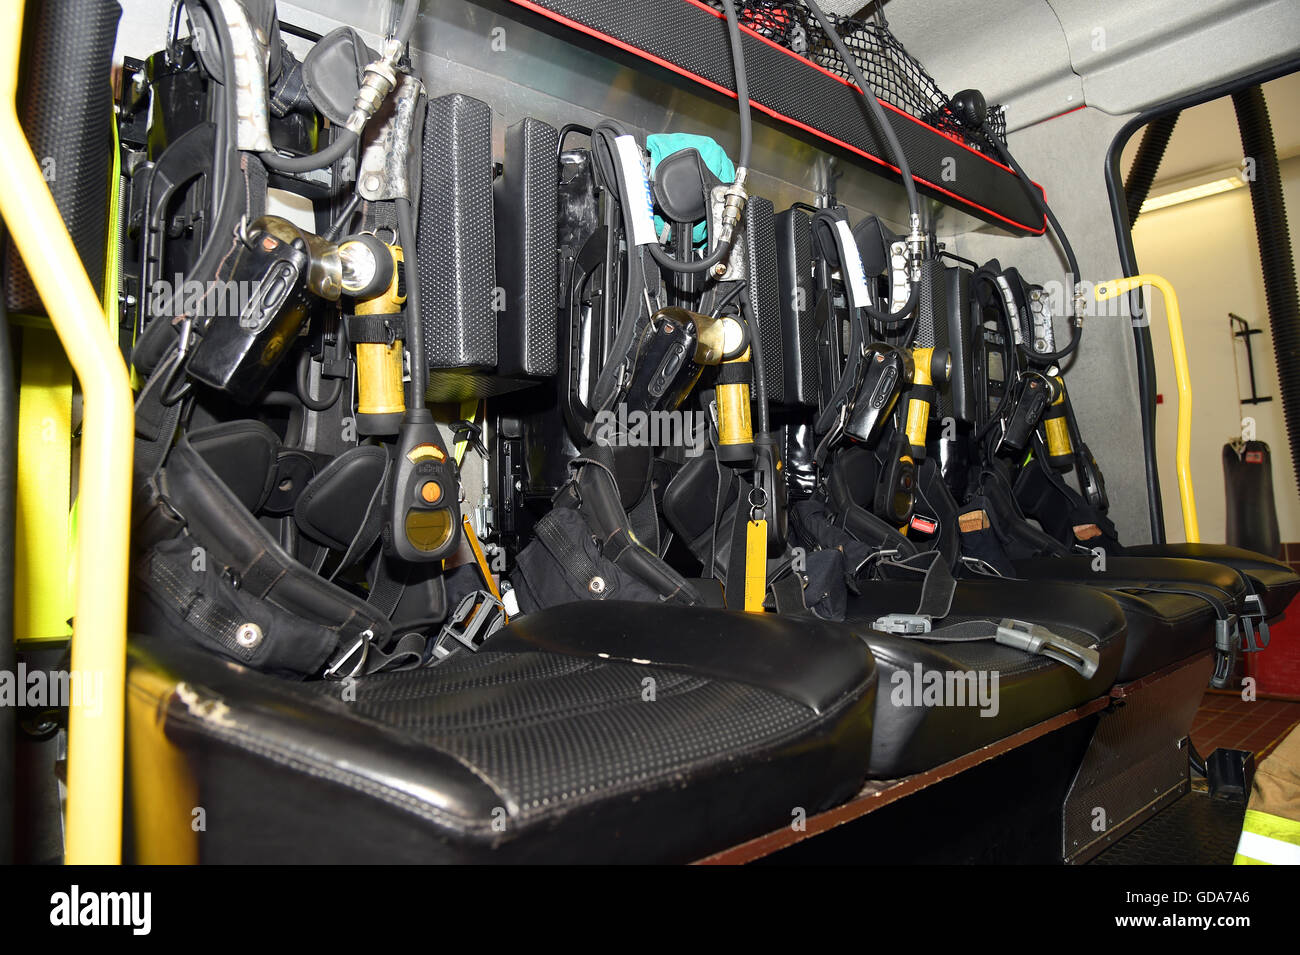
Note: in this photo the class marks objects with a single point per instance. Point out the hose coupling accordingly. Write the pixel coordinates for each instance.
(380, 78)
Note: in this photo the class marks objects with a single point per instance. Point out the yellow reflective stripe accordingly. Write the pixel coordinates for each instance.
(1267, 839)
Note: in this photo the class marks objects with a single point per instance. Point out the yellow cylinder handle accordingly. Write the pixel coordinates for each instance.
(1182, 374)
(95, 720)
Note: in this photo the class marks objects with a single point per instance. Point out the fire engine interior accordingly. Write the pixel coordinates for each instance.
(639, 431)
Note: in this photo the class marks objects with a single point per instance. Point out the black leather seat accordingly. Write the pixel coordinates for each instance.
(910, 738)
(1275, 582)
(1164, 625)
(594, 732)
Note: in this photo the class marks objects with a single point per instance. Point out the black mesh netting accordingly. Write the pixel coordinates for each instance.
(896, 76)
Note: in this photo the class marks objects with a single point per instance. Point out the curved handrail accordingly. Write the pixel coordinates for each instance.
(1182, 374)
(95, 740)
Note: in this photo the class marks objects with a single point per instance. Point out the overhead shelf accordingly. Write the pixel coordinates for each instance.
(690, 39)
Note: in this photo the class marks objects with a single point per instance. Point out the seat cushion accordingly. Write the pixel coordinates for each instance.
(1274, 581)
(1164, 626)
(595, 732)
(913, 734)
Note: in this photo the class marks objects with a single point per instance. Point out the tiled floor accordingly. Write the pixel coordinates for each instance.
(1231, 722)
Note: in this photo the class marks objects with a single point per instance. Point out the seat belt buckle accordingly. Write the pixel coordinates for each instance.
(904, 624)
(360, 649)
(1255, 624)
(478, 616)
(1022, 635)
(1227, 633)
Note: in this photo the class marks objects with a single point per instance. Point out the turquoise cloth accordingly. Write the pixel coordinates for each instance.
(663, 145)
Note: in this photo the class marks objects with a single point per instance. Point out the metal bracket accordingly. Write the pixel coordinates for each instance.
(386, 160)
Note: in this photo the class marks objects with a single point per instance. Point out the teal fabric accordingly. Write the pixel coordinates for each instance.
(663, 145)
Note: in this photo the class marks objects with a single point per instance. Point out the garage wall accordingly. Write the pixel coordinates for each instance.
(1207, 249)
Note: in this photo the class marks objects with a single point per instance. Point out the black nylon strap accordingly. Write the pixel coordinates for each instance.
(387, 588)
(572, 559)
(787, 594)
(375, 329)
(735, 373)
(155, 423)
(937, 589)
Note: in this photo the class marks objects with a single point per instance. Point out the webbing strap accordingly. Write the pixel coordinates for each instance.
(734, 583)
(572, 559)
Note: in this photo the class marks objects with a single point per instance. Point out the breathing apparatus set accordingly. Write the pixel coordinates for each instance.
(686, 396)
(295, 497)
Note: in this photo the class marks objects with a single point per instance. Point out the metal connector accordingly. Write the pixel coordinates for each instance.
(915, 246)
(380, 78)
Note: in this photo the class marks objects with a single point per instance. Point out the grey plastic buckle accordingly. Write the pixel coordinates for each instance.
(477, 617)
(1256, 637)
(1032, 638)
(1226, 633)
(907, 624)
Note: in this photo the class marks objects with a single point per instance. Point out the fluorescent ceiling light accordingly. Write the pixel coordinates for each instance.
(1212, 188)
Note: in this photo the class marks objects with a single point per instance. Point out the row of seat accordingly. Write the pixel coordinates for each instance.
(613, 732)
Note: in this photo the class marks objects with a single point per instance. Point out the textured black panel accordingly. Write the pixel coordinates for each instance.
(765, 288)
(960, 398)
(692, 39)
(455, 245)
(1196, 830)
(797, 298)
(525, 204)
(66, 109)
(931, 303)
(461, 385)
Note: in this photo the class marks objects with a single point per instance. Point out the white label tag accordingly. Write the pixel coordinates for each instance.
(855, 276)
(638, 187)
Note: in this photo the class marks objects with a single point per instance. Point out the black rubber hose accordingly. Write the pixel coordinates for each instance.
(1146, 163)
(414, 319)
(1036, 197)
(890, 320)
(302, 380)
(1275, 254)
(346, 138)
(331, 154)
(8, 656)
(746, 148)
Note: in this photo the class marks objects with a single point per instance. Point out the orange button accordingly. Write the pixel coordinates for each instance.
(431, 491)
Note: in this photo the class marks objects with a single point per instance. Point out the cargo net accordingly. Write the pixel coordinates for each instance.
(894, 74)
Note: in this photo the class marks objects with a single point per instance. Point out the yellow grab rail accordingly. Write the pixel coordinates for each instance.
(1183, 376)
(95, 722)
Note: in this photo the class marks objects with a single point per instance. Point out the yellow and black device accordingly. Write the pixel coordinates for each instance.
(931, 367)
(373, 276)
(732, 387)
(1056, 430)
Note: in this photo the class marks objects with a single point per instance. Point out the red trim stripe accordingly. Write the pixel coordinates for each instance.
(682, 71)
